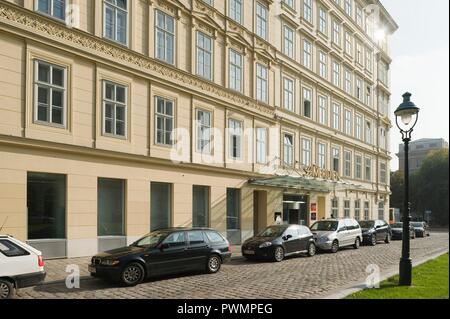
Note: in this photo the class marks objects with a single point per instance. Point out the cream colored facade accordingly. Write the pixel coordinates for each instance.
(83, 152)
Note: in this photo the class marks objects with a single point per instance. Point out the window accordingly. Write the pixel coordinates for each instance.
(114, 109)
(359, 16)
(288, 36)
(383, 173)
(382, 138)
(358, 166)
(261, 20)
(306, 151)
(165, 37)
(348, 43)
(214, 237)
(348, 82)
(204, 55)
(323, 110)
(334, 208)
(366, 210)
(110, 207)
(235, 71)
(336, 33)
(336, 158)
(50, 82)
(307, 52)
(210, 2)
(261, 145)
(323, 21)
(348, 7)
(368, 60)
(10, 249)
(115, 20)
(176, 240)
(196, 237)
(164, 121)
(359, 53)
(323, 65)
(288, 150)
(290, 3)
(369, 95)
(381, 210)
(236, 10)
(348, 122)
(46, 206)
(357, 209)
(347, 164)
(336, 74)
(307, 103)
(288, 94)
(368, 132)
(346, 208)
(383, 71)
(233, 215)
(200, 206)
(204, 120)
(261, 83)
(336, 116)
(321, 155)
(358, 88)
(161, 205)
(53, 8)
(368, 169)
(235, 135)
(358, 127)
(307, 10)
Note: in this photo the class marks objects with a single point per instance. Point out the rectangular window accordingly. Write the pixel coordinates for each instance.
(236, 10)
(358, 127)
(346, 209)
(357, 209)
(261, 145)
(261, 83)
(50, 100)
(110, 207)
(382, 138)
(306, 152)
(321, 155)
(359, 53)
(288, 47)
(288, 94)
(307, 102)
(200, 206)
(336, 74)
(336, 33)
(236, 64)
(348, 122)
(164, 117)
(348, 82)
(335, 208)
(261, 20)
(307, 10)
(323, 110)
(288, 150)
(336, 158)
(165, 37)
(290, 3)
(204, 122)
(46, 206)
(323, 65)
(323, 21)
(234, 215)
(347, 164)
(368, 169)
(114, 109)
(368, 132)
(235, 138)
(348, 44)
(359, 16)
(115, 20)
(348, 8)
(53, 8)
(368, 60)
(336, 116)
(381, 210)
(358, 166)
(161, 206)
(204, 55)
(366, 210)
(369, 96)
(307, 53)
(383, 173)
(358, 89)
(210, 2)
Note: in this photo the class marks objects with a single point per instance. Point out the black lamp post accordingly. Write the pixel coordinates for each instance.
(408, 113)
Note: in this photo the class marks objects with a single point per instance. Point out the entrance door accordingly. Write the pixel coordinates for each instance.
(259, 211)
(295, 209)
(294, 215)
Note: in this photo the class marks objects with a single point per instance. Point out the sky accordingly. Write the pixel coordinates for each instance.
(420, 53)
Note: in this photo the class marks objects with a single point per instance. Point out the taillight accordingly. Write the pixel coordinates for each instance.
(229, 248)
(40, 261)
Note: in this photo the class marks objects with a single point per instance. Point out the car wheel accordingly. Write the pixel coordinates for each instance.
(357, 243)
(388, 239)
(213, 265)
(335, 246)
(278, 254)
(132, 274)
(311, 249)
(7, 289)
(373, 240)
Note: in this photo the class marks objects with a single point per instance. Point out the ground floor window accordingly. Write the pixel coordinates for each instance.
(366, 211)
(46, 202)
(161, 205)
(200, 206)
(381, 210)
(334, 208)
(357, 209)
(110, 207)
(233, 215)
(346, 208)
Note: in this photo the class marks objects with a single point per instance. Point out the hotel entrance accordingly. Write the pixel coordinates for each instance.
(295, 209)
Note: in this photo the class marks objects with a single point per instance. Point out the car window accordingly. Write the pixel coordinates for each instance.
(291, 231)
(214, 237)
(196, 237)
(304, 231)
(175, 239)
(9, 249)
(348, 223)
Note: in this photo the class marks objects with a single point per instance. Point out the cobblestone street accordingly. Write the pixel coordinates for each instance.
(299, 277)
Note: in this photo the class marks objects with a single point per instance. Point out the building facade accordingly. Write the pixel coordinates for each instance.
(418, 150)
(120, 117)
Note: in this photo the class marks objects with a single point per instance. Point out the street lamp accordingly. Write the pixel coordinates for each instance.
(408, 113)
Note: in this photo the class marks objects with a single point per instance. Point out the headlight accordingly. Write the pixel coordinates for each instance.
(109, 262)
(323, 239)
(266, 244)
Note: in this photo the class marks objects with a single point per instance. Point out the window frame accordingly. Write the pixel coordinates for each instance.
(105, 4)
(231, 133)
(164, 117)
(204, 52)
(165, 32)
(115, 105)
(234, 66)
(51, 13)
(199, 137)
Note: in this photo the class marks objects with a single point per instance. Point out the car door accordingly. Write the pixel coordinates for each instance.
(169, 256)
(305, 236)
(292, 244)
(342, 234)
(352, 232)
(198, 249)
(382, 230)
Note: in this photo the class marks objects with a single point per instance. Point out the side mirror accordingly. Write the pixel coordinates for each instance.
(287, 237)
(164, 246)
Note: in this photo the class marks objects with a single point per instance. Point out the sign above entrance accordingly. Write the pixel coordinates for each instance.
(317, 172)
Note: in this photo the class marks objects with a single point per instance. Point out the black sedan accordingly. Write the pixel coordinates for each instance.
(161, 252)
(374, 231)
(276, 242)
(421, 229)
(397, 231)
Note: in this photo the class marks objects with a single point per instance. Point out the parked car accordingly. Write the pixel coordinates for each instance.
(397, 231)
(374, 231)
(20, 266)
(421, 229)
(278, 241)
(332, 234)
(164, 251)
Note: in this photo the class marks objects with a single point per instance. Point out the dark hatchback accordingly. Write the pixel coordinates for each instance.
(162, 252)
(276, 242)
(374, 231)
(421, 229)
(397, 231)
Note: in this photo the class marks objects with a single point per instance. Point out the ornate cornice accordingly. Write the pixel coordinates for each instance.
(15, 16)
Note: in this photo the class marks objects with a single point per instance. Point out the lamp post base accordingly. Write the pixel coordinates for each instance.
(405, 272)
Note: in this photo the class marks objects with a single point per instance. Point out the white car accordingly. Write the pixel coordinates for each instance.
(20, 266)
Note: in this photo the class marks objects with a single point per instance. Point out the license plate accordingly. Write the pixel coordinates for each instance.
(92, 269)
(249, 252)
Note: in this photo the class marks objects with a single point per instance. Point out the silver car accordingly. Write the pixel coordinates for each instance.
(331, 234)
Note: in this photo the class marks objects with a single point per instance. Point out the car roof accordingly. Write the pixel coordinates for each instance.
(173, 229)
